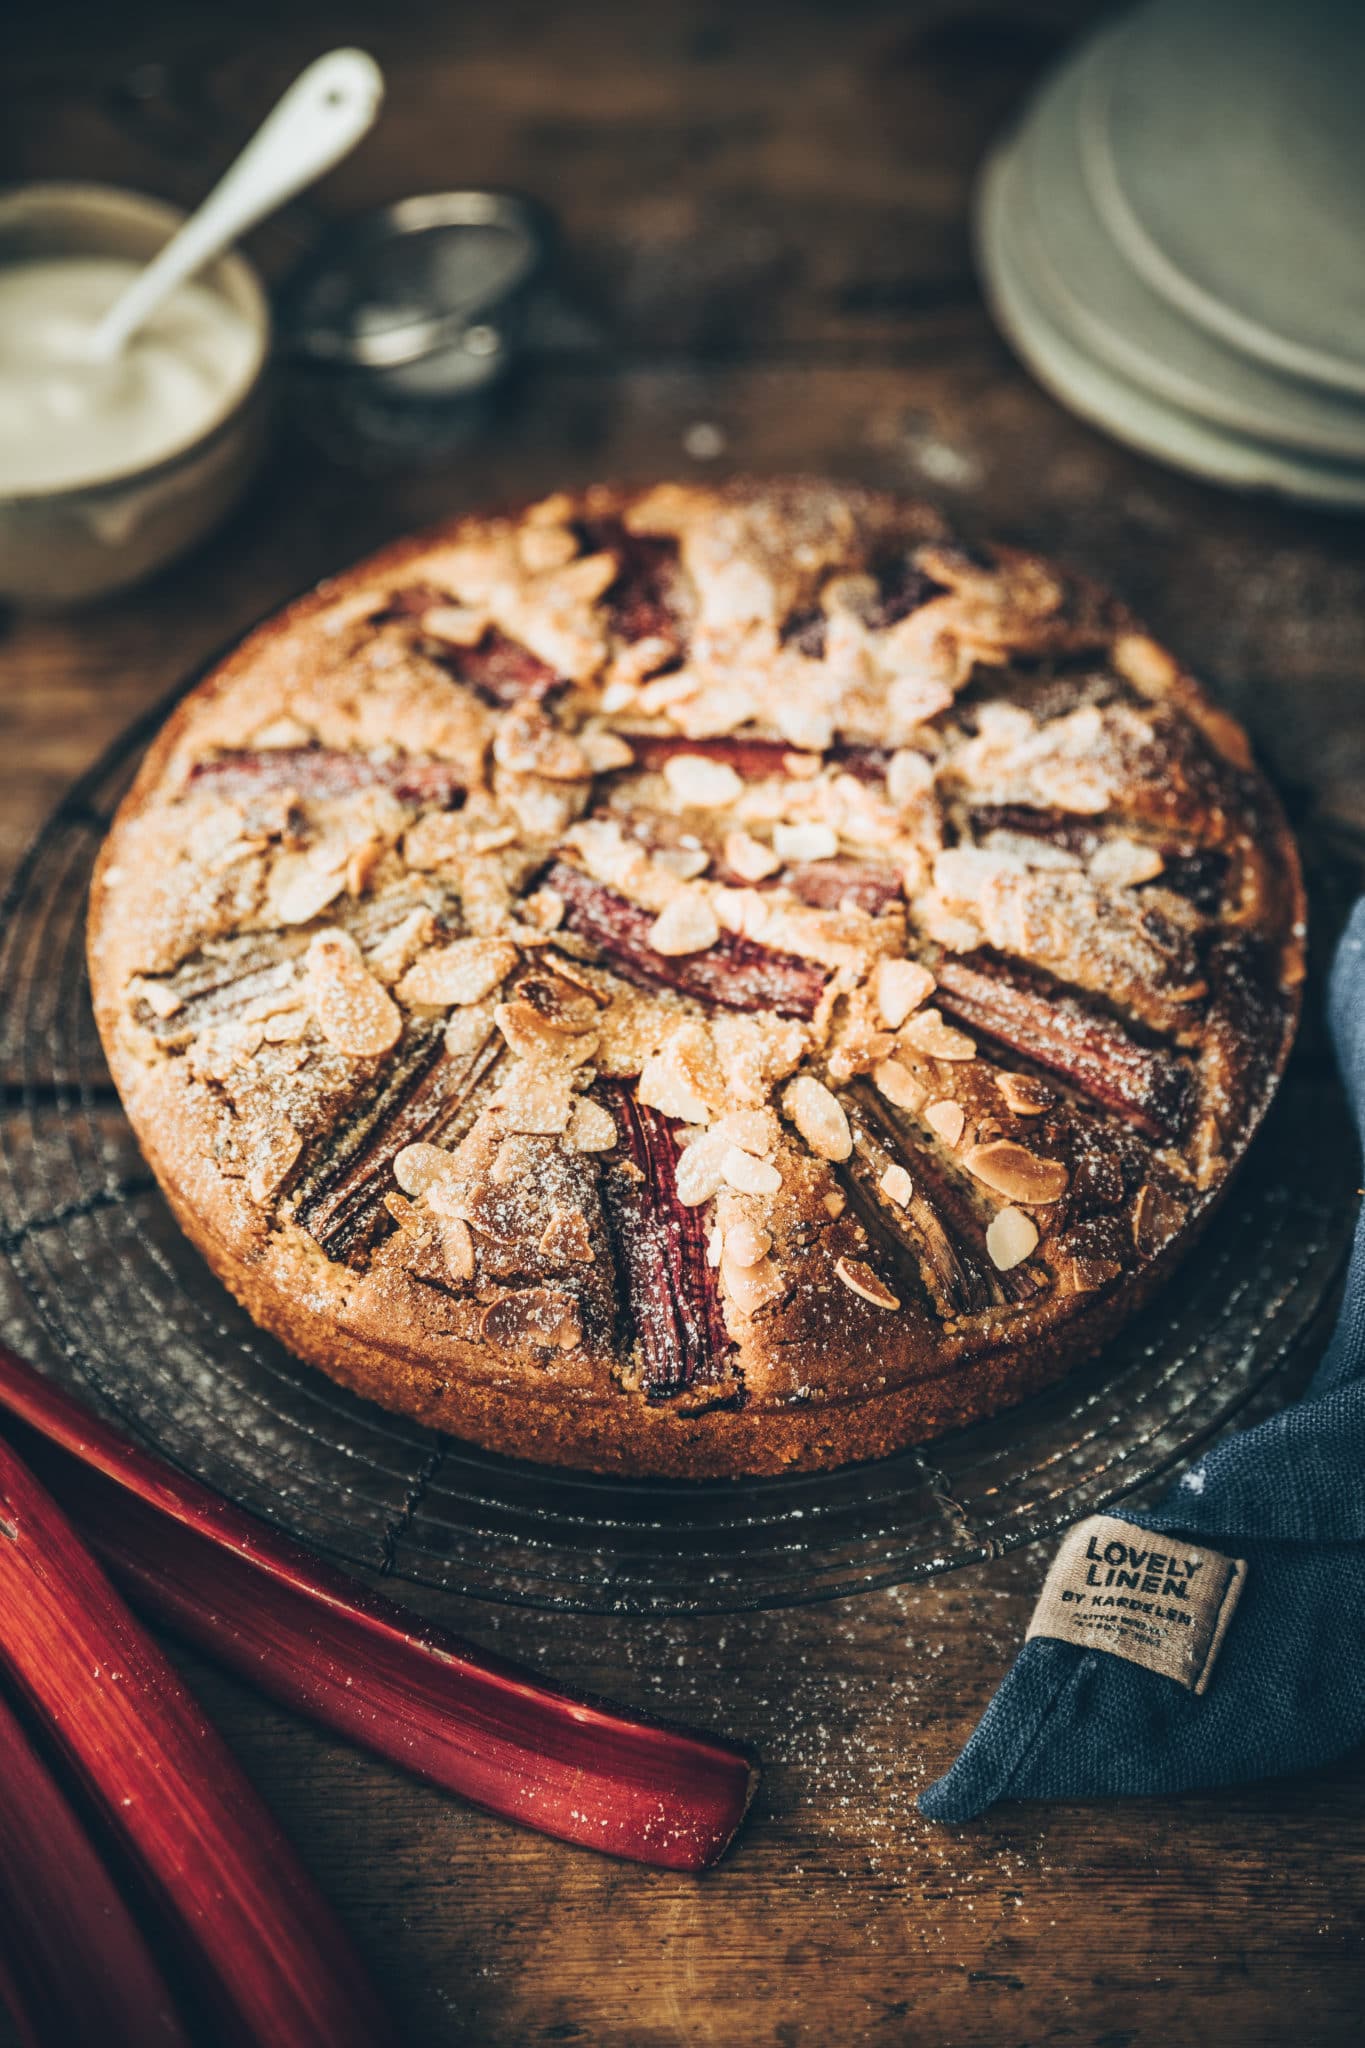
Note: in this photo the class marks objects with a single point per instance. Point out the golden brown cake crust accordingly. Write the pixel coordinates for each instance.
(696, 980)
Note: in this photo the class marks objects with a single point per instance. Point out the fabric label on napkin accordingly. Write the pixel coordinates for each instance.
(1155, 1600)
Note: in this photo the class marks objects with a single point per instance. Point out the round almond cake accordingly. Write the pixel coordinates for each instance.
(696, 980)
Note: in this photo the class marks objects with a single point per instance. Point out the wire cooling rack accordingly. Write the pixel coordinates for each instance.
(123, 1309)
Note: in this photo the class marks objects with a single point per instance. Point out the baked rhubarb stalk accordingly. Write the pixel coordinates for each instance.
(257, 1940)
(751, 757)
(733, 974)
(307, 1635)
(672, 1300)
(73, 1965)
(1093, 1053)
(328, 771)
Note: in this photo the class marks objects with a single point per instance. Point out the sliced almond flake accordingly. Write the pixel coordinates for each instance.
(298, 891)
(401, 1210)
(686, 925)
(1123, 863)
(286, 1027)
(700, 783)
(159, 997)
(590, 1128)
(1079, 1275)
(530, 743)
(752, 1287)
(462, 972)
(457, 1242)
(417, 1168)
(536, 1099)
(835, 1202)
(901, 985)
(909, 777)
(535, 1037)
(457, 625)
(747, 1175)
(355, 1013)
(753, 1130)
(749, 858)
(859, 1277)
(686, 862)
(272, 1159)
(398, 948)
(566, 1238)
(281, 732)
(896, 1185)
(1010, 1237)
(544, 909)
(547, 546)
(746, 1243)
(714, 1241)
(926, 1032)
(605, 751)
(1025, 1095)
(701, 1171)
(896, 1082)
(805, 842)
(1019, 1175)
(818, 1116)
(946, 1119)
(802, 767)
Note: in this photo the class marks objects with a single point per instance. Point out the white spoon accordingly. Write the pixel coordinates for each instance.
(323, 115)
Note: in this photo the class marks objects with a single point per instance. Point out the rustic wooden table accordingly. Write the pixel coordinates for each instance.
(766, 266)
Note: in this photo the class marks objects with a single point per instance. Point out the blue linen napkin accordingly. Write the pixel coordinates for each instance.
(1288, 1496)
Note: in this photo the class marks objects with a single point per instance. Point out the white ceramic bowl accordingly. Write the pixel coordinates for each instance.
(66, 546)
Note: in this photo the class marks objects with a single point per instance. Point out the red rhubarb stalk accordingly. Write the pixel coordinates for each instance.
(315, 1639)
(73, 1966)
(751, 756)
(267, 1956)
(735, 973)
(329, 771)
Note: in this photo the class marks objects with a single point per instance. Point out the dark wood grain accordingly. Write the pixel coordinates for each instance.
(764, 210)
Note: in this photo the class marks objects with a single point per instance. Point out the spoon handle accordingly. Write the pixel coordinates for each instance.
(323, 115)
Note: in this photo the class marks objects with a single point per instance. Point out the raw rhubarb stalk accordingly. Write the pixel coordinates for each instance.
(73, 1965)
(318, 1641)
(674, 1304)
(1093, 1053)
(343, 1208)
(329, 771)
(734, 973)
(266, 1954)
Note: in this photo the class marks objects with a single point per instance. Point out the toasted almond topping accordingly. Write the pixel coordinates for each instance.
(458, 1245)
(401, 1210)
(532, 1035)
(1156, 1219)
(896, 1082)
(540, 1316)
(1025, 1095)
(748, 857)
(835, 1202)
(686, 925)
(271, 1161)
(545, 547)
(686, 862)
(418, 1167)
(700, 1170)
(461, 972)
(818, 1116)
(537, 1098)
(299, 891)
(896, 1185)
(909, 776)
(1018, 1175)
(605, 750)
(160, 999)
(701, 783)
(683, 1078)
(1123, 863)
(530, 743)
(749, 1176)
(355, 1013)
(566, 1238)
(455, 624)
(591, 1128)
(286, 1027)
(751, 1288)
(946, 1118)
(802, 767)
(859, 1277)
(1079, 1275)
(543, 909)
(926, 1032)
(805, 842)
(747, 1243)
(714, 1243)
(1010, 1237)
(902, 986)
(753, 1130)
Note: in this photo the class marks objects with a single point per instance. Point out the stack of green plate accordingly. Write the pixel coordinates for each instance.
(1174, 239)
